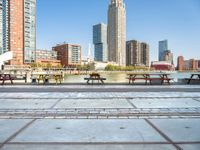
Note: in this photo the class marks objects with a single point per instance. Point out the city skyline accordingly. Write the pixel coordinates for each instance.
(146, 21)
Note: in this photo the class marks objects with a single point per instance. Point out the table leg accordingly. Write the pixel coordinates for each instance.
(169, 82)
(150, 81)
(38, 81)
(11, 81)
(190, 79)
(162, 81)
(102, 81)
(133, 81)
(147, 76)
(3, 81)
(199, 77)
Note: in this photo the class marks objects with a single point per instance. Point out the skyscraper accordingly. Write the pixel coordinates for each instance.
(133, 52)
(145, 50)
(168, 56)
(100, 42)
(117, 32)
(163, 46)
(1, 29)
(19, 30)
(137, 54)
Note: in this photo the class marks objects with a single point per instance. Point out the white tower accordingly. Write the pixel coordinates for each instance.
(89, 53)
(117, 32)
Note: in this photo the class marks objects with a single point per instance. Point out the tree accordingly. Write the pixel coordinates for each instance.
(49, 66)
(34, 65)
(59, 66)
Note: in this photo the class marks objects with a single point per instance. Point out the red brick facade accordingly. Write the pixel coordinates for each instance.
(16, 30)
(180, 63)
(64, 54)
(184, 65)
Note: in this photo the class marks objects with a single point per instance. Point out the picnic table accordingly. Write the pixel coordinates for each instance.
(95, 77)
(45, 77)
(193, 77)
(148, 77)
(6, 77)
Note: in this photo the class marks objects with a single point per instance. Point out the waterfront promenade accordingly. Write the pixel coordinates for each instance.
(100, 117)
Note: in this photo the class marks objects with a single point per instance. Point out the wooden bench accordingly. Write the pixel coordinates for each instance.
(36, 78)
(132, 79)
(6, 77)
(189, 80)
(20, 78)
(192, 78)
(95, 79)
(163, 78)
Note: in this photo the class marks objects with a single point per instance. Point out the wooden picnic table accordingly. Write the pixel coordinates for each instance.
(163, 77)
(45, 78)
(95, 77)
(192, 78)
(6, 77)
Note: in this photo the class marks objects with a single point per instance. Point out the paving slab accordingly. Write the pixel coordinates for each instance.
(190, 146)
(93, 103)
(89, 147)
(165, 103)
(100, 88)
(27, 103)
(97, 94)
(198, 99)
(179, 130)
(9, 127)
(89, 131)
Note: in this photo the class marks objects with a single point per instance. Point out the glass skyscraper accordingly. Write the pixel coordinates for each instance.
(100, 42)
(29, 30)
(1, 28)
(19, 30)
(163, 46)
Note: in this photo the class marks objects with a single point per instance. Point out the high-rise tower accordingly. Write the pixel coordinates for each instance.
(137, 54)
(100, 42)
(1, 29)
(117, 32)
(19, 30)
(163, 46)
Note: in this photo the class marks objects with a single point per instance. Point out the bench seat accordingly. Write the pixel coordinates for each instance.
(94, 78)
(150, 78)
(192, 79)
(162, 80)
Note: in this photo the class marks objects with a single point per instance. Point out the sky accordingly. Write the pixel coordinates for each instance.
(149, 21)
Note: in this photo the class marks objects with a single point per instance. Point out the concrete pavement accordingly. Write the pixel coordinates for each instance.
(106, 118)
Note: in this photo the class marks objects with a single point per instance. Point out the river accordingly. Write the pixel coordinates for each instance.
(118, 77)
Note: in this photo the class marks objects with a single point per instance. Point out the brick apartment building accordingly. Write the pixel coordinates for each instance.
(69, 54)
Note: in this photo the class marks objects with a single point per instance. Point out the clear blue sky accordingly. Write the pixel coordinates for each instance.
(147, 20)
